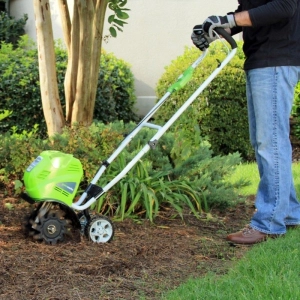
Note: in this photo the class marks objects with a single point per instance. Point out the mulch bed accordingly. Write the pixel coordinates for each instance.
(143, 260)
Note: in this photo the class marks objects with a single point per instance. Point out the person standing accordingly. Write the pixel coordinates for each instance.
(271, 34)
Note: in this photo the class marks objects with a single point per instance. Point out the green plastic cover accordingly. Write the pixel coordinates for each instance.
(53, 176)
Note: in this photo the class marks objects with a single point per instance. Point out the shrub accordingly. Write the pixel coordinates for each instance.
(5, 114)
(144, 195)
(221, 109)
(295, 116)
(20, 89)
(296, 103)
(155, 182)
(89, 145)
(11, 29)
(115, 92)
(16, 152)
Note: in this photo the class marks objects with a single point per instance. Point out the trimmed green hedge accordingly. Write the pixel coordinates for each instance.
(221, 109)
(20, 89)
(11, 29)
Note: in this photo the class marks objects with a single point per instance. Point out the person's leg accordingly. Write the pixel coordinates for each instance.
(293, 212)
(293, 215)
(270, 93)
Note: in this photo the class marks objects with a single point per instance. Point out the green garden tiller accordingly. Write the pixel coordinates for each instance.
(51, 181)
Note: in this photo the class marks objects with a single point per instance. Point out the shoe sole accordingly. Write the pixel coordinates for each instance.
(270, 236)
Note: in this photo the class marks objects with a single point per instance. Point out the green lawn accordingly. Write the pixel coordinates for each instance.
(250, 172)
(268, 271)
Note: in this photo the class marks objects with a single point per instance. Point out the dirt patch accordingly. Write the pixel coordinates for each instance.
(142, 260)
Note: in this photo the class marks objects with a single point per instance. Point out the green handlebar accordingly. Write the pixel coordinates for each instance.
(182, 80)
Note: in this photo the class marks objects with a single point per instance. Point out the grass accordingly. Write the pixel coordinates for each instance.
(269, 271)
(249, 172)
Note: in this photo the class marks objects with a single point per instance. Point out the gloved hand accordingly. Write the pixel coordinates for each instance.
(200, 39)
(212, 22)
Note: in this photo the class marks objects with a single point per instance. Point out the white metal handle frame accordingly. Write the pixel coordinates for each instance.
(80, 204)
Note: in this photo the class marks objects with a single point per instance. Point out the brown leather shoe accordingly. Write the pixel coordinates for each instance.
(247, 236)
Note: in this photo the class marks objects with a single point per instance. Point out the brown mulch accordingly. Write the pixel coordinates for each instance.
(142, 261)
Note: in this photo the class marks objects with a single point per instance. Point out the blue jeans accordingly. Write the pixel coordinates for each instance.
(270, 93)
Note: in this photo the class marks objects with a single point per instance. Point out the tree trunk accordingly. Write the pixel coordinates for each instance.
(72, 67)
(97, 38)
(82, 113)
(47, 70)
(65, 21)
(84, 54)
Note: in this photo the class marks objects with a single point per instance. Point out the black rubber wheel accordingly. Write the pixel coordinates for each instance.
(53, 228)
(50, 228)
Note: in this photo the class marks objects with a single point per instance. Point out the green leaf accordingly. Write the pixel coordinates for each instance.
(5, 114)
(124, 199)
(113, 31)
(119, 22)
(112, 6)
(18, 185)
(99, 203)
(121, 14)
(134, 202)
(111, 19)
(122, 3)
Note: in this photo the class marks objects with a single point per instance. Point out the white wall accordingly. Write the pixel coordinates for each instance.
(20, 7)
(157, 33)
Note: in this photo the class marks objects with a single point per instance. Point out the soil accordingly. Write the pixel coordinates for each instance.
(142, 261)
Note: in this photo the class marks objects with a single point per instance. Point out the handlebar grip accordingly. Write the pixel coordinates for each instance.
(226, 36)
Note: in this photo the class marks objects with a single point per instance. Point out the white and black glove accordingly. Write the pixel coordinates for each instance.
(212, 22)
(200, 39)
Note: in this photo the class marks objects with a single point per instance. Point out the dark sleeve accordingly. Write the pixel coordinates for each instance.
(272, 12)
(236, 30)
